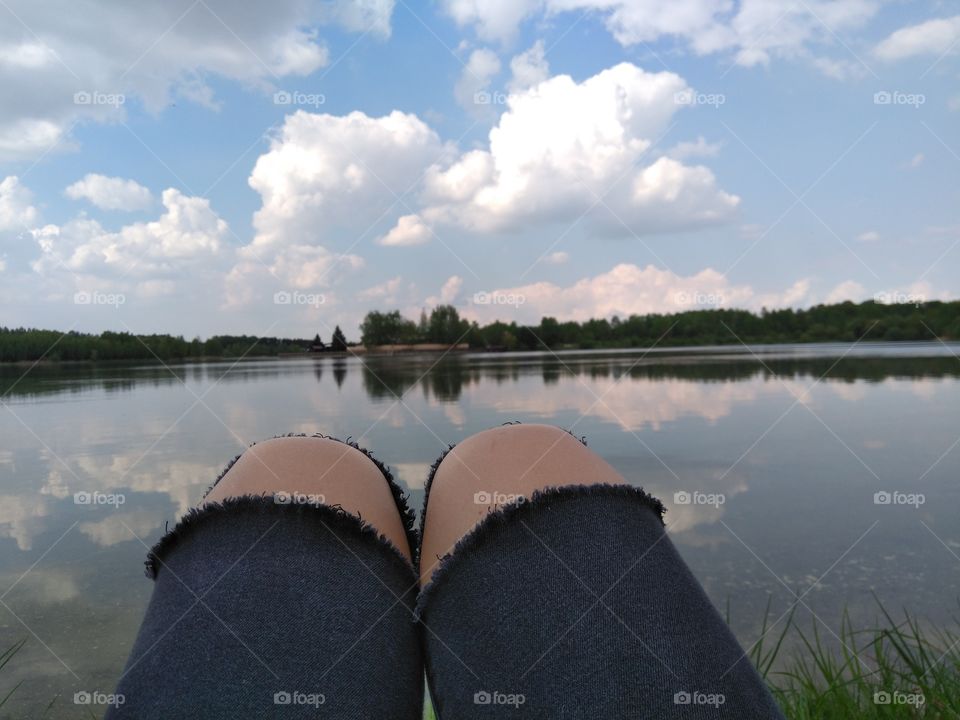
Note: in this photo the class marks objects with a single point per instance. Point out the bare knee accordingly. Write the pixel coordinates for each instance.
(494, 467)
(327, 471)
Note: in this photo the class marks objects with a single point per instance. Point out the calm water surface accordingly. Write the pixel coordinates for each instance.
(795, 441)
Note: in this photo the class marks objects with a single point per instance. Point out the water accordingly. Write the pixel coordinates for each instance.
(796, 439)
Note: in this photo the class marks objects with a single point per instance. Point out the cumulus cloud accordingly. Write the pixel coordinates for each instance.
(561, 145)
(933, 37)
(187, 232)
(409, 230)
(471, 90)
(17, 212)
(111, 193)
(558, 146)
(153, 52)
(624, 290)
(449, 292)
(753, 30)
(529, 68)
(848, 290)
(385, 292)
(326, 171)
(325, 176)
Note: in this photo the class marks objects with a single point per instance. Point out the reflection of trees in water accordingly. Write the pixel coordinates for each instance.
(390, 377)
(446, 378)
(339, 371)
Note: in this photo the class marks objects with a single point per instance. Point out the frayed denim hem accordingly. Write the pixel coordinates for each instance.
(333, 514)
(515, 511)
(332, 517)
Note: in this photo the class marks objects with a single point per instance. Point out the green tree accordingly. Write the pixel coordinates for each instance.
(445, 325)
(389, 328)
(339, 341)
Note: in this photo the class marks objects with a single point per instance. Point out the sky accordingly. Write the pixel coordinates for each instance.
(200, 167)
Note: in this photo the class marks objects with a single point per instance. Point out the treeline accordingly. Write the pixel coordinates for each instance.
(22, 345)
(843, 322)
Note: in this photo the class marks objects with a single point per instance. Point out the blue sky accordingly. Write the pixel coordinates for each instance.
(284, 168)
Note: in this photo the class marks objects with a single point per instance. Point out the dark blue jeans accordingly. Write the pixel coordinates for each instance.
(574, 604)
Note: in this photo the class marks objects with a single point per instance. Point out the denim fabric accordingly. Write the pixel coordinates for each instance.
(574, 604)
(264, 610)
(577, 605)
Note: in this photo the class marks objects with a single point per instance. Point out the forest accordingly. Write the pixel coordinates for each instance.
(842, 322)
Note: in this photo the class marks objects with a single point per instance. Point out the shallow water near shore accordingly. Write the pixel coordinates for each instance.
(812, 475)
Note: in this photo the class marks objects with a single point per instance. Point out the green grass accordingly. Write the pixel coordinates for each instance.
(826, 678)
(817, 681)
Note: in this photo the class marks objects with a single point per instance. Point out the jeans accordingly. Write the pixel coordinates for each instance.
(571, 604)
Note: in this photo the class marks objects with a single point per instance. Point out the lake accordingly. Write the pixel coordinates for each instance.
(770, 461)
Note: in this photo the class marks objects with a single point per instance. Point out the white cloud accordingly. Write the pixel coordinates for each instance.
(111, 193)
(155, 53)
(848, 290)
(17, 212)
(493, 20)
(557, 258)
(868, 236)
(529, 68)
(325, 176)
(24, 137)
(933, 37)
(385, 292)
(409, 230)
(917, 160)
(753, 30)
(187, 232)
(561, 144)
(629, 289)
(471, 90)
(327, 171)
(449, 292)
